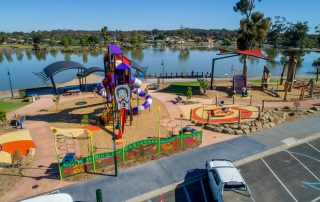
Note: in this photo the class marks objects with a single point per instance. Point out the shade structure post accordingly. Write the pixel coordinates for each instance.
(212, 72)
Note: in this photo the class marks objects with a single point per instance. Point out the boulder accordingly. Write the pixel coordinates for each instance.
(315, 108)
(246, 131)
(234, 126)
(218, 129)
(244, 127)
(291, 113)
(272, 124)
(258, 125)
(238, 132)
(228, 131)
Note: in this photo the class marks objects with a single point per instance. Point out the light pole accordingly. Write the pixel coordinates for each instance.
(162, 63)
(10, 82)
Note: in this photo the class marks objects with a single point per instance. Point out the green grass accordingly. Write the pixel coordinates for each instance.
(258, 81)
(180, 88)
(10, 106)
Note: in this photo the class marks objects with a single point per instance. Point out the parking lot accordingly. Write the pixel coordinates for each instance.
(290, 175)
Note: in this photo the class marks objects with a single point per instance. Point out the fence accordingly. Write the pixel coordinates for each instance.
(132, 151)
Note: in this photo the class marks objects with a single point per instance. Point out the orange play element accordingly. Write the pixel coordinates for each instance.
(220, 116)
(93, 127)
(21, 145)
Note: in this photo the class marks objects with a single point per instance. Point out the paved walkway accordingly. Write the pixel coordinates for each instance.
(42, 175)
(150, 176)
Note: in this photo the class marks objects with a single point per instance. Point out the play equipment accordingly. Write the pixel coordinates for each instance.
(117, 87)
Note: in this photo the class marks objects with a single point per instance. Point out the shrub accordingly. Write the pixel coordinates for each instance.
(3, 117)
(204, 85)
(189, 94)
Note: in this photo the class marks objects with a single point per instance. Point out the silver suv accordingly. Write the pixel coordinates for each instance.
(224, 176)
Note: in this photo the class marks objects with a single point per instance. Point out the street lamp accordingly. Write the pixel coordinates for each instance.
(10, 83)
(162, 63)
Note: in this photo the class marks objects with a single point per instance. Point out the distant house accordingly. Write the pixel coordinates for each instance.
(11, 40)
(180, 41)
(190, 41)
(149, 41)
(208, 40)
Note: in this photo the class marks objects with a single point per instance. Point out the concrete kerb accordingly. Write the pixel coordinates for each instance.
(249, 159)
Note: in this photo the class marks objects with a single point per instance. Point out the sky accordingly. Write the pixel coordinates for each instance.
(29, 15)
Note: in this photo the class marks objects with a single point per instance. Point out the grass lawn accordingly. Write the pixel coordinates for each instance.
(180, 88)
(10, 106)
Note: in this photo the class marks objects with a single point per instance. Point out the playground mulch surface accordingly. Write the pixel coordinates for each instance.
(69, 115)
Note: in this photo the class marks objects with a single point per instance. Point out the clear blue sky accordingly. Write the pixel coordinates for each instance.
(28, 15)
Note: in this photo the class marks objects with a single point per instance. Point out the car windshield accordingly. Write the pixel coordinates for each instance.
(234, 185)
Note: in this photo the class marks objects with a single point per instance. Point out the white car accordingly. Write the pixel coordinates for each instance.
(224, 176)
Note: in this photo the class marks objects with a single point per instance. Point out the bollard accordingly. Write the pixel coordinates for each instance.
(190, 114)
(233, 99)
(250, 100)
(99, 195)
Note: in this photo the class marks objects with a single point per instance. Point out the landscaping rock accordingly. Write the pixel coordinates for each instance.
(218, 129)
(243, 127)
(272, 124)
(246, 131)
(291, 113)
(228, 131)
(315, 108)
(259, 125)
(238, 132)
(234, 126)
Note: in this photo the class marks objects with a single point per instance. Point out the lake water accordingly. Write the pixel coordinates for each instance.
(22, 63)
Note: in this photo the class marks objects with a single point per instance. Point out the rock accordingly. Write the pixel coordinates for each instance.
(208, 127)
(218, 129)
(272, 124)
(193, 121)
(310, 111)
(291, 113)
(287, 108)
(259, 125)
(234, 126)
(315, 108)
(226, 125)
(276, 109)
(246, 131)
(228, 131)
(238, 132)
(243, 127)
(253, 129)
(198, 124)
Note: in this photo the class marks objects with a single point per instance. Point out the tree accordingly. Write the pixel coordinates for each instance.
(104, 34)
(93, 40)
(296, 35)
(275, 35)
(253, 28)
(189, 94)
(204, 85)
(56, 100)
(84, 41)
(317, 31)
(316, 62)
(65, 41)
(3, 117)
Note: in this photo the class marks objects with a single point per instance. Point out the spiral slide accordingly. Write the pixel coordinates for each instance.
(137, 90)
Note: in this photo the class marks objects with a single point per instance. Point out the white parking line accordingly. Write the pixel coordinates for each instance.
(303, 165)
(203, 191)
(187, 194)
(279, 180)
(313, 147)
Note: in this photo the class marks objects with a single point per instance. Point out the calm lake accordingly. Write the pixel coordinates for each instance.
(22, 63)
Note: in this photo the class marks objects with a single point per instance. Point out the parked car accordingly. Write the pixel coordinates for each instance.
(224, 176)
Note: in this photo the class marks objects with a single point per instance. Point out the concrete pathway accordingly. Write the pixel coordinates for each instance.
(150, 176)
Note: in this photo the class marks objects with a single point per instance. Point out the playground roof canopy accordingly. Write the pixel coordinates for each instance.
(115, 49)
(254, 52)
(60, 66)
(89, 71)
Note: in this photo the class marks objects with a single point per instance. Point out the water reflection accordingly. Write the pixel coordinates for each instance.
(1, 57)
(184, 55)
(19, 55)
(7, 54)
(40, 54)
(28, 54)
(85, 57)
(137, 54)
(67, 57)
(53, 52)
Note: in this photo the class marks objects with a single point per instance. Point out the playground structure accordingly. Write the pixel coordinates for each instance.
(117, 87)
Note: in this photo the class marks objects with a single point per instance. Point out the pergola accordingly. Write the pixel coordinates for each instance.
(230, 53)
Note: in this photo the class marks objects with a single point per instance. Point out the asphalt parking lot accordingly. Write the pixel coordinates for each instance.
(290, 175)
